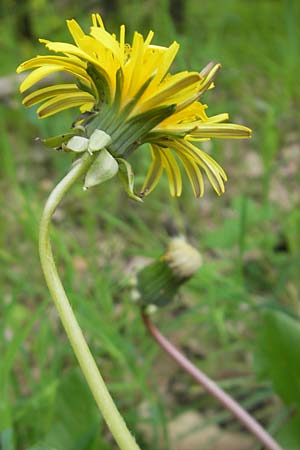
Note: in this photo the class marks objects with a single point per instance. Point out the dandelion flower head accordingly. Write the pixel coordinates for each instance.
(127, 97)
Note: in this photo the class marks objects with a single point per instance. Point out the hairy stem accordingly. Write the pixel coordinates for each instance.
(210, 386)
(114, 420)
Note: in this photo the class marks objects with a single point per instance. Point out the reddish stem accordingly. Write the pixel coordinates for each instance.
(210, 386)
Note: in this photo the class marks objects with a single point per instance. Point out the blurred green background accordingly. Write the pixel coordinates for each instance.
(238, 318)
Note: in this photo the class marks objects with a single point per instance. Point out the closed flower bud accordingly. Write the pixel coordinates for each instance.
(159, 282)
(182, 258)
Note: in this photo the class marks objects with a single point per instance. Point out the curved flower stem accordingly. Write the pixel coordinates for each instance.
(114, 420)
(210, 386)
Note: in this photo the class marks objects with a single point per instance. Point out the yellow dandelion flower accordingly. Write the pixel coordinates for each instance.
(128, 93)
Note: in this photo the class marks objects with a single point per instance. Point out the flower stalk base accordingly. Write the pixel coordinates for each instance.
(111, 415)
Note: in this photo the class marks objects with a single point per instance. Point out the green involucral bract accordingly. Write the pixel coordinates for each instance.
(103, 168)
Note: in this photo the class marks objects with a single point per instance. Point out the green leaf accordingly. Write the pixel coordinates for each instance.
(289, 435)
(278, 354)
(278, 360)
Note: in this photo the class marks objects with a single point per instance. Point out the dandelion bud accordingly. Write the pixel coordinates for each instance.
(159, 282)
(182, 258)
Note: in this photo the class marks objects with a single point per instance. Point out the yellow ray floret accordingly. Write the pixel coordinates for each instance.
(65, 101)
(49, 92)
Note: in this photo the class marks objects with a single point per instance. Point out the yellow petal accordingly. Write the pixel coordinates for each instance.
(173, 172)
(86, 106)
(217, 182)
(133, 68)
(48, 65)
(62, 102)
(97, 21)
(214, 175)
(122, 38)
(48, 92)
(106, 39)
(222, 130)
(209, 73)
(149, 38)
(64, 47)
(91, 51)
(152, 57)
(211, 163)
(64, 61)
(214, 172)
(168, 58)
(37, 75)
(194, 174)
(154, 172)
(87, 42)
(172, 90)
(191, 116)
(217, 118)
(75, 31)
(203, 158)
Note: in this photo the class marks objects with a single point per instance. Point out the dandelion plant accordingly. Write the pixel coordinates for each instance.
(127, 97)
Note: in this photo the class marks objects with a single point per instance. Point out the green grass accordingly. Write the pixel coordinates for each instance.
(249, 239)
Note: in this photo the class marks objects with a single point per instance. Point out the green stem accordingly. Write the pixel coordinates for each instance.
(210, 386)
(114, 420)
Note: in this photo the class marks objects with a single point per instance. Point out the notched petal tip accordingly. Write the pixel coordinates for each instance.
(211, 65)
(208, 75)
